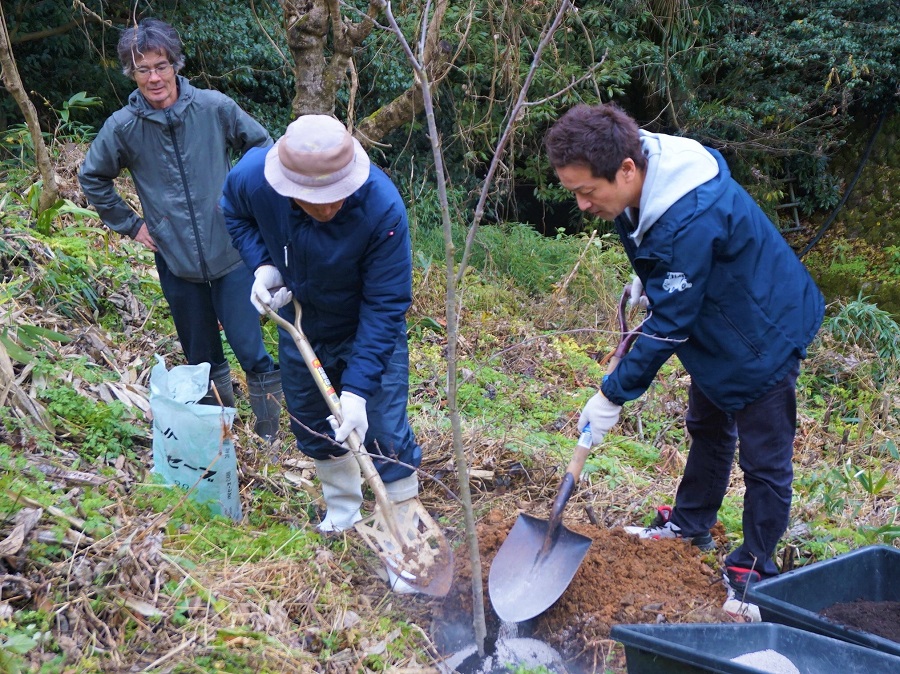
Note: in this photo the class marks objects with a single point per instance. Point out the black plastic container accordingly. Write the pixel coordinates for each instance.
(700, 648)
(796, 597)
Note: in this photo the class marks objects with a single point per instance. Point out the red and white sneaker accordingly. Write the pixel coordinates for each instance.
(661, 527)
(737, 579)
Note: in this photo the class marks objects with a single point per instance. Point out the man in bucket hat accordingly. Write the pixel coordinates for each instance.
(316, 221)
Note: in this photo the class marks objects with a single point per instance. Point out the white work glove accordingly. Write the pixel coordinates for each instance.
(268, 277)
(637, 298)
(353, 411)
(601, 414)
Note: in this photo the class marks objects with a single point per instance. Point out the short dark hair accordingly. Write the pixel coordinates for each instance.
(149, 35)
(599, 137)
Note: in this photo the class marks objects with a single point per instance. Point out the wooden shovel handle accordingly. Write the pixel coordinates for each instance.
(583, 448)
(334, 405)
(570, 479)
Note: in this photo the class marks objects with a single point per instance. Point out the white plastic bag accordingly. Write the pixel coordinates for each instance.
(192, 444)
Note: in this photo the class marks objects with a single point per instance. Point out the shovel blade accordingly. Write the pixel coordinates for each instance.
(523, 581)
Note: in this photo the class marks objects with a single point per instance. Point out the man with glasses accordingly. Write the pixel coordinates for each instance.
(176, 142)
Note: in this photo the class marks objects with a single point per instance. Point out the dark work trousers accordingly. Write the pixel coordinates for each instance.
(765, 429)
(389, 431)
(198, 308)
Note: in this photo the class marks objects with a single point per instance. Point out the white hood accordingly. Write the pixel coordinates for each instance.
(675, 166)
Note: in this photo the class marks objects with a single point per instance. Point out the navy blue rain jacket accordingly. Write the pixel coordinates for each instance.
(352, 275)
(727, 294)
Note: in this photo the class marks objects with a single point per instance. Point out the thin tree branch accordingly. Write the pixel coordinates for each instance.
(91, 13)
(47, 32)
(507, 132)
(265, 32)
(572, 85)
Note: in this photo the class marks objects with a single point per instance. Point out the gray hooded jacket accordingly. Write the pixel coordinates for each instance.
(178, 157)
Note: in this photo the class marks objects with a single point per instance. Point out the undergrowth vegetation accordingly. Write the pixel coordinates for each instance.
(111, 570)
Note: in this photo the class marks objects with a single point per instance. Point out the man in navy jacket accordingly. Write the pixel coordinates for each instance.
(317, 222)
(726, 294)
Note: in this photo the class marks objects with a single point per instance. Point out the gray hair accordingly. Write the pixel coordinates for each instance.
(149, 35)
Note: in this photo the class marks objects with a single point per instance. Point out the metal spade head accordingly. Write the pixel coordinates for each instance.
(525, 579)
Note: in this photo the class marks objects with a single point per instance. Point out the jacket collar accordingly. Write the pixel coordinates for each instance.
(141, 108)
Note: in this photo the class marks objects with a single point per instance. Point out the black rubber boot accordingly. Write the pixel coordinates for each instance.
(265, 401)
(220, 375)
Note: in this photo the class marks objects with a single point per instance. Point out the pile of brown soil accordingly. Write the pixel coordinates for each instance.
(622, 579)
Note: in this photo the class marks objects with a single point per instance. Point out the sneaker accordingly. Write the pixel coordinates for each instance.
(742, 611)
(738, 578)
(661, 528)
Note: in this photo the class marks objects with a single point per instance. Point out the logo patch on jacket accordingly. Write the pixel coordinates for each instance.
(676, 280)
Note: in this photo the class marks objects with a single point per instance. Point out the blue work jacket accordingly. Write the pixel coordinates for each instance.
(727, 295)
(352, 275)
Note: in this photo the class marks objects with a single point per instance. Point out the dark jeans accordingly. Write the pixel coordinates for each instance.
(766, 429)
(389, 431)
(198, 308)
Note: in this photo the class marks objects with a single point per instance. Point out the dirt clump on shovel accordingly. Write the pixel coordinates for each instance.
(622, 579)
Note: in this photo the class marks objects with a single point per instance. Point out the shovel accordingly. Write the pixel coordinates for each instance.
(403, 534)
(539, 558)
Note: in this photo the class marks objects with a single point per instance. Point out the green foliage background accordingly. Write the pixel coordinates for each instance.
(774, 85)
(225, 48)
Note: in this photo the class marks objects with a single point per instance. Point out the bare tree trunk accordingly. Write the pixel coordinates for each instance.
(13, 82)
(452, 311)
(313, 27)
(456, 273)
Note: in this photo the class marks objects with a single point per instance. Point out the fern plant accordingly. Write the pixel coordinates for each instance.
(863, 324)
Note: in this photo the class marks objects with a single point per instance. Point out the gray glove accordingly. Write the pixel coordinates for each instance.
(601, 414)
(353, 412)
(268, 277)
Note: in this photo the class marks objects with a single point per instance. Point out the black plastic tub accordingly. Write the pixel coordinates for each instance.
(693, 648)
(795, 598)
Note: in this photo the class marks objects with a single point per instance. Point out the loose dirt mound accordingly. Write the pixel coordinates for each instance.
(622, 580)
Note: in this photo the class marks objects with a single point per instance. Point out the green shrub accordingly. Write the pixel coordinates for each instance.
(865, 325)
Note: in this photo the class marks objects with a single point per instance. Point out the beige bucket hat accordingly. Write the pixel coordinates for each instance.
(317, 161)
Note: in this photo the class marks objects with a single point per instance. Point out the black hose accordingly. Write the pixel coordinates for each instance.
(862, 164)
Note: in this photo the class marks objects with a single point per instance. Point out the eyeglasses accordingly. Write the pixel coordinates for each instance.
(161, 69)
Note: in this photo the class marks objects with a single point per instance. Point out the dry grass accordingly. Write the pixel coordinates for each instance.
(114, 601)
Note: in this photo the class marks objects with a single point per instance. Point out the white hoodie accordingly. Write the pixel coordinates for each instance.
(675, 166)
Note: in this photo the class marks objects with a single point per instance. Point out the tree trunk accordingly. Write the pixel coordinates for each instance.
(13, 83)
(315, 27)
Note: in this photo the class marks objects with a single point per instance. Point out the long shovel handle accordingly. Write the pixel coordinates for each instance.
(334, 405)
(583, 448)
(566, 487)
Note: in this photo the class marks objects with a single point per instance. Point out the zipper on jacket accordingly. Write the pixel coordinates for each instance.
(187, 196)
(740, 334)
